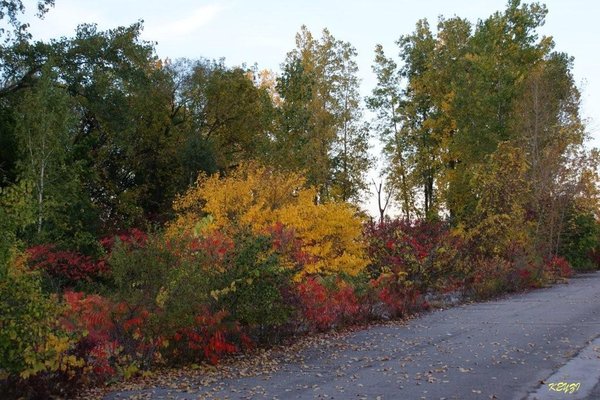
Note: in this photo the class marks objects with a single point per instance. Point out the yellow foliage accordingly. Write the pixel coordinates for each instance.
(256, 197)
(51, 356)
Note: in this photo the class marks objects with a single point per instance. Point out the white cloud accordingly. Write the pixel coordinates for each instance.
(184, 26)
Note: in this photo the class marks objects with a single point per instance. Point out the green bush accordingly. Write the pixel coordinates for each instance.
(35, 352)
(251, 286)
(161, 279)
(581, 239)
(26, 317)
(177, 281)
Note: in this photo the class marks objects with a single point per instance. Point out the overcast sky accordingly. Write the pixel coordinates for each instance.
(262, 31)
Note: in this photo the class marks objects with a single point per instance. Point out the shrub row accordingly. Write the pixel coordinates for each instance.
(249, 259)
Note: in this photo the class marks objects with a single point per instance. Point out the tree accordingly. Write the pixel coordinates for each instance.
(381, 203)
(349, 154)
(305, 128)
(498, 227)
(417, 52)
(320, 117)
(386, 102)
(14, 38)
(124, 135)
(500, 52)
(546, 119)
(413, 102)
(227, 116)
(44, 127)
(451, 102)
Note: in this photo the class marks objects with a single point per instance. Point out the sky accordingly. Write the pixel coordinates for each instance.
(262, 31)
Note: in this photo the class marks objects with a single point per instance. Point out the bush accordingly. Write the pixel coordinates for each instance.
(251, 286)
(182, 282)
(35, 353)
(256, 198)
(325, 306)
(491, 277)
(557, 267)
(581, 240)
(131, 237)
(424, 253)
(117, 342)
(212, 336)
(62, 269)
(399, 295)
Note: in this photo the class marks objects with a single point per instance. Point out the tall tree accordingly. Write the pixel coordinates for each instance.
(227, 116)
(549, 130)
(501, 51)
(44, 125)
(43, 129)
(455, 93)
(349, 153)
(386, 101)
(319, 127)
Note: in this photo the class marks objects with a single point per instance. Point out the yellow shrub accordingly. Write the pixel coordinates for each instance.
(256, 197)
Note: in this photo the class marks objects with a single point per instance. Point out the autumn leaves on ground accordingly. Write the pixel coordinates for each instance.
(167, 214)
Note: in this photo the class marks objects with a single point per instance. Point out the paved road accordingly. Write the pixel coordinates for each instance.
(511, 348)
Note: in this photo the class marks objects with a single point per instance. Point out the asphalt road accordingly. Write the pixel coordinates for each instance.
(512, 348)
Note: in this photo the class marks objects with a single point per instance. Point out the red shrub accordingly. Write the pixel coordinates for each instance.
(133, 237)
(92, 314)
(214, 246)
(112, 335)
(210, 339)
(558, 267)
(399, 296)
(65, 268)
(426, 251)
(286, 243)
(323, 307)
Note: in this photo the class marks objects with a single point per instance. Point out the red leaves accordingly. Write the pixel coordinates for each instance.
(558, 267)
(399, 298)
(424, 250)
(132, 237)
(68, 267)
(211, 337)
(89, 313)
(323, 307)
(215, 246)
(112, 331)
(286, 243)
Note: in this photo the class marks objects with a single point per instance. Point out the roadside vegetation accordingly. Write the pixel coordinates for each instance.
(159, 213)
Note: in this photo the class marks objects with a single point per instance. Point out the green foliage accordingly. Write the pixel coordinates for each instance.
(251, 288)
(31, 340)
(44, 125)
(319, 117)
(140, 271)
(580, 239)
(499, 223)
(16, 213)
(178, 280)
